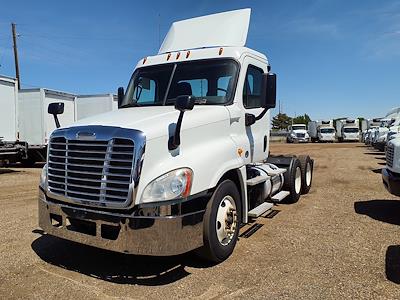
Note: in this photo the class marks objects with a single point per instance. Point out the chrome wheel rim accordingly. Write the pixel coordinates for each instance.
(226, 221)
(308, 174)
(297, 180)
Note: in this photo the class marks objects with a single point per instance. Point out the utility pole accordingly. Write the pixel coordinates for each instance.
(14, 37)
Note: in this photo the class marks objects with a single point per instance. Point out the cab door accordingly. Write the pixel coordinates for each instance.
(257, 133)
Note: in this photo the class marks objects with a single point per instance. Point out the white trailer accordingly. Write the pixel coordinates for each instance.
(10, 148)
(176, 167)
(90, 105)
(35, 124)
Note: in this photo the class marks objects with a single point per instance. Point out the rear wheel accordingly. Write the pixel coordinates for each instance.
(221, 223)
(306, 173)
(293, 180)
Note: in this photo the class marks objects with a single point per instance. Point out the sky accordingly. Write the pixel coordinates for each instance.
(333, 58)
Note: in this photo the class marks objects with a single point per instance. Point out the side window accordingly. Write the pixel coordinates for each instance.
(252, 87)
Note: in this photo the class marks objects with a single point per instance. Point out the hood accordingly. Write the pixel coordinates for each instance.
(299, 131)
(154, 121)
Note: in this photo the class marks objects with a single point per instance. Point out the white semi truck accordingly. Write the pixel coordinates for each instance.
(184, 161)
(322, 131)
(391, 173)
(297, 133)
(347, 130)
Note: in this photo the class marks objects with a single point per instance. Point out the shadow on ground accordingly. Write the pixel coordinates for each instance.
(111, 266)
(377, 171)
(6, 171)
(375, 153)
(387, 211)
(392, 263)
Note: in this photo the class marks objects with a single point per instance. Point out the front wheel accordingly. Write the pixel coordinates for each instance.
(307, 165)
(221, 223)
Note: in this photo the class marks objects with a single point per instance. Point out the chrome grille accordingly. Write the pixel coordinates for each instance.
(95, 172)
(300, 135)
(389, 155)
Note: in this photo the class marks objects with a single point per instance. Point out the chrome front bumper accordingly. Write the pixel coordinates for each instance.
(156, 236)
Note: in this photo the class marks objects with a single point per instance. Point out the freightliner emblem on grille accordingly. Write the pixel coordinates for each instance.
(88, 136)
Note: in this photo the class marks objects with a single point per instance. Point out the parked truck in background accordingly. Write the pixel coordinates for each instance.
(26, 125)
(321, 131)
(297, 133)
(11, 149)
(369, 133)
(184, 160)
(347, 130)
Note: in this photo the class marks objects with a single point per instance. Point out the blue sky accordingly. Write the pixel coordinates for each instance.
(332, 57)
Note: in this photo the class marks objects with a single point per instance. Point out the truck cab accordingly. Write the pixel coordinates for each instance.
(184, 160)
(326, 134)
(298, 134)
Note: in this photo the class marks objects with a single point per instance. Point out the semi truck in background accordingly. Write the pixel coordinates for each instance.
(369, 133)
(347, 130)
(11, 149)
(297, 133)
(321, 131)
(26, 125)
(184, 161)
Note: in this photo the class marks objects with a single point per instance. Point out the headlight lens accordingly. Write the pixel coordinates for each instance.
(43, 177)
(173, 185)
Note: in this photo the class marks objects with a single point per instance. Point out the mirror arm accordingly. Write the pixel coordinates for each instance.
(56, 120)
(175, 140)
(259, 117)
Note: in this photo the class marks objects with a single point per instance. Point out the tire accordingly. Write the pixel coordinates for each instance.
(307, 169)
(215, 249)
(293, 181)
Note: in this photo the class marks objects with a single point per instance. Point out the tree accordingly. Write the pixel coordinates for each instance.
(281, 121)
(302, 119)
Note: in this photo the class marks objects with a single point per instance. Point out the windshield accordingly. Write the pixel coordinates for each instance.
(327, 130)
(350, 130)
(211, 82)
(298, 127)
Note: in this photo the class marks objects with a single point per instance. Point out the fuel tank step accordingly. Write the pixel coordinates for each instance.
(258, 179)
(259, 210)
(280, 196)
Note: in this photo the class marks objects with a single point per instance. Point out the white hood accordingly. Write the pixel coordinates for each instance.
(154, 121)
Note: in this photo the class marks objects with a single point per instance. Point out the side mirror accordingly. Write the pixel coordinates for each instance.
(184, 103)
(121, 95)
(55, 109)
(268, 90)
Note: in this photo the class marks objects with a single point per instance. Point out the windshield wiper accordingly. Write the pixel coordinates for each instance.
(132, 104)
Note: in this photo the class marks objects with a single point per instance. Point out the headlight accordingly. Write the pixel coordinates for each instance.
(43, 177)
(173, 185)
(293, 135)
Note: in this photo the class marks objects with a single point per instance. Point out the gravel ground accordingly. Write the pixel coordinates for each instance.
(342, 240)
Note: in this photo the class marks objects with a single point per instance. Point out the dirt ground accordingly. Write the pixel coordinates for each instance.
(340, 241)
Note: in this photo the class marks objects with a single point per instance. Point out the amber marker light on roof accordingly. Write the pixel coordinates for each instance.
(220, 51)
(168, 56)
(144, 60)
(188, 54)
(178, 55)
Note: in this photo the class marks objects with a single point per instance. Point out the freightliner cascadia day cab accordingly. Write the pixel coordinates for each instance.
(298, 134)
(184, 160)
